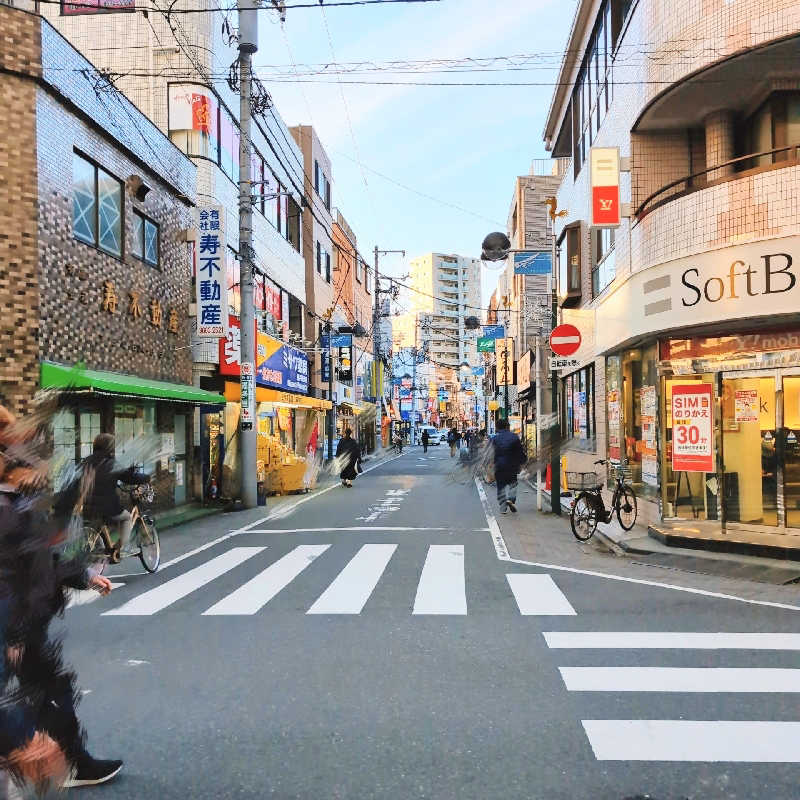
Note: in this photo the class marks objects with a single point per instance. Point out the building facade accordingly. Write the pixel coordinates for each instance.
(691, 304)
(95, 269)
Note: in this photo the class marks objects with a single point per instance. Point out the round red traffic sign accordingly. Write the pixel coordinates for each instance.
(565, 340)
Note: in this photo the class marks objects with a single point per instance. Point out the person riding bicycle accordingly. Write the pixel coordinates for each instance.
(102, 501)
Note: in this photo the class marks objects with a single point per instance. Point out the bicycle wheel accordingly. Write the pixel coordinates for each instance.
(583, 517)
(146, 536)
(626, 510)
(94, 549)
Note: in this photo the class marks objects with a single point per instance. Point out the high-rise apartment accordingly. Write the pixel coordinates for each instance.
(448, 289)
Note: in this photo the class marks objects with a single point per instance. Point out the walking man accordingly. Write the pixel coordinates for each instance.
(425, 439)
(453, 439)
(348, 456)
(509, 457)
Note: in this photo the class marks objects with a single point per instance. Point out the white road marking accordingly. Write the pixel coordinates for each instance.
(680, 679)
(252, 596)
(441, 588)
(397, 492)
(82, 597)
(538, 595)
(173, 590)
(353, 586)
(136, 662)
(693, 740)
(367, 528)
(502, 553)
(672, 640)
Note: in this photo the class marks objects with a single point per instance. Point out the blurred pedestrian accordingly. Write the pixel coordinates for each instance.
(425, 440)
(454, 440)
(348, 455)
(509, 456)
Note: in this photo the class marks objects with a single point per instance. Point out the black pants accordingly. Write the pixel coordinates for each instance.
(424, 447)
(506, 488)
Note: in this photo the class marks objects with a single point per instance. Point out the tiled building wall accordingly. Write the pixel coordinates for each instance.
(75, 277)
(19, 279)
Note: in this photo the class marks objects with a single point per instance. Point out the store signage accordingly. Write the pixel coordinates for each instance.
(612, 405)
(478, 371)
(248, 396)
(211, 290)
(557, 362)
(277, 364)
(494, 331)
(193, 107)
(505, 361)
(604, 171)
(337, 340)
(727, 347)
(344, 371)
(647, 395)
(565, 340)
(692, 427)
(485, 344)
(96, 6)
(524, 372)
(533, 262)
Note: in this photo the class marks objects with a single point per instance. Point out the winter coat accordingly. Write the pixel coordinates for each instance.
(425, 437)
(453, 437)
(508, 453)
(17, 722)
(350, 454)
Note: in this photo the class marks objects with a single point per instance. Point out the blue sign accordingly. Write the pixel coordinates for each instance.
(478, 371)
(533, 262)
(494, 332)
(281, 366)
(338, 340)
(326, 373)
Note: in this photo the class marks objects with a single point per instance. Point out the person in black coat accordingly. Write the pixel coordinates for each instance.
(425, 440)
(348, 455)
(509, 456)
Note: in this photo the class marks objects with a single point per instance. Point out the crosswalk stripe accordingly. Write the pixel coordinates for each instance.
(649, 640)
(693, 740)
(252, 596)
(355, 583)
(680, 679)
(538, 595)
(154, 600)
(441, 588)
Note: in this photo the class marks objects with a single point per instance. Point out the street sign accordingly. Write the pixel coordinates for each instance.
(533, 262)
(485, 344)
(557, 362)
(338, 340)
(565, 340)
(494, 331)
(478, 371)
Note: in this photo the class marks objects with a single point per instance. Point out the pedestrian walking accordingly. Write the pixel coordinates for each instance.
(348, 456)
(509, 456)
(35, 574)
(425, 440)
(454, 440)
(467, 436)
(398, 442)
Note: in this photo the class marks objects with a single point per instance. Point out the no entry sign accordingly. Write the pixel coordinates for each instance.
(565, 340)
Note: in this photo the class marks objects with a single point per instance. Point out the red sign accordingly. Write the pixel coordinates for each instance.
(565, 340)
(692, 427)
(605, 205)
(604, 173)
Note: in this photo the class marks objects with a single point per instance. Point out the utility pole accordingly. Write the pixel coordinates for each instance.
(413, 431)
(248, 44)
(332, 415)
(555, 430)
(505, 357)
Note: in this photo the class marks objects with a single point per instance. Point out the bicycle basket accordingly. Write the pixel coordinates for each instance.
(583, 480)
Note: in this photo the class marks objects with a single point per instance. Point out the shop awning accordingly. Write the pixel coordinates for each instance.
(358, 408)
(264, 395)
(92, 381)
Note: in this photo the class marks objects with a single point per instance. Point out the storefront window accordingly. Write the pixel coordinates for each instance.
(90, 427)
(134, 434)
(63, 446)
(578, 405)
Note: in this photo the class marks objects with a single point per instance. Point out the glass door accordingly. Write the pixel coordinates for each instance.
(749, 449)
(790, 446)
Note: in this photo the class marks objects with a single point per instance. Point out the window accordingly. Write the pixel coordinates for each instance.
(577, 403)
(96, 206)
(229, 145)
(259, 189)
(319, 258)
(604, 262)
(63, 447)
(569, 266)
(327, 266)
(322, 186)
(775, 124)
(293, 224)
(145, 239)
(359, 269)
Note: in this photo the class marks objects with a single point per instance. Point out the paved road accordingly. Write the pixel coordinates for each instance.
(377, 642)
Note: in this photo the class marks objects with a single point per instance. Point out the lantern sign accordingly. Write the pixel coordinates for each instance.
(606, 212)
(211, 289)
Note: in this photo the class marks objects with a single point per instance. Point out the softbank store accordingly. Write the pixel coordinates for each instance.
(703, 387)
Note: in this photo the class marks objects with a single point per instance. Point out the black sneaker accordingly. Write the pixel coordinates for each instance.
(91, 771)
(512, 506)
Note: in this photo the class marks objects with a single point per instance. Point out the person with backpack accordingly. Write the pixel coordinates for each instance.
(509, 456)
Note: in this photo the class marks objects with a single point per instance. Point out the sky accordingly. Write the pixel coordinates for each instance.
(463, 145)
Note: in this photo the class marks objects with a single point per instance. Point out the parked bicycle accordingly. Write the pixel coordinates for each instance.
(588, 509)
(100, 548)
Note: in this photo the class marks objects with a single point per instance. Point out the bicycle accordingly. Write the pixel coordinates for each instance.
(100, 549)
(588, 508)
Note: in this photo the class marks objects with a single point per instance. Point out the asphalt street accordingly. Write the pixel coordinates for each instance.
(380, 642)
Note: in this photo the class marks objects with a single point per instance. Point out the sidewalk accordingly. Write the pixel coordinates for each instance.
(641, 547)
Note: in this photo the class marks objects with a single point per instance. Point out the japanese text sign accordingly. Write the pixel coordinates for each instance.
(533, 262)
(605, 187)
(692, 427)
(211, 288)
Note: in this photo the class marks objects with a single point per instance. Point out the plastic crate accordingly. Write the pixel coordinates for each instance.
(576, 481)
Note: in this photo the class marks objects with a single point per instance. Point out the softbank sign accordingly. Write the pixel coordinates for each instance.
(745, 281)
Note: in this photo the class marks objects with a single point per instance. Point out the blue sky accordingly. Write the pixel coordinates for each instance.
(462, 145)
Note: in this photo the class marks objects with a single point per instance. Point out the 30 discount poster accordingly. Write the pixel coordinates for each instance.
(692, 427)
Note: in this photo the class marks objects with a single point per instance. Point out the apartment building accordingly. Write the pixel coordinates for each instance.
(693, 300)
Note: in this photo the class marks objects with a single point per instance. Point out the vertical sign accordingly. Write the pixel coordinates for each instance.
(613, 425)
(649, 448)
(692, 427)
(505, 361)
(605, 187)
(248, 395)
(211, 289)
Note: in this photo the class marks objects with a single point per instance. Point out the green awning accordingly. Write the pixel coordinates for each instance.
(79, 379)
